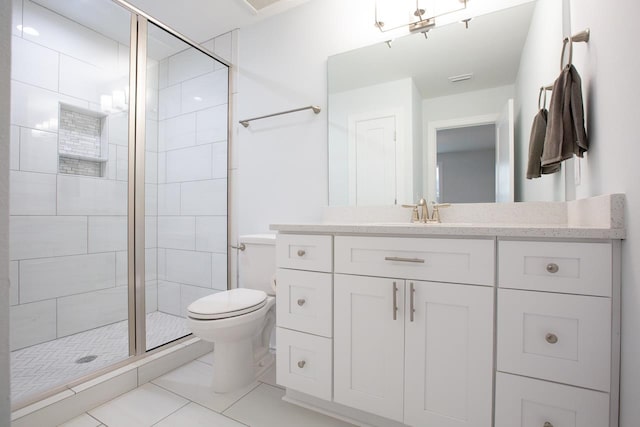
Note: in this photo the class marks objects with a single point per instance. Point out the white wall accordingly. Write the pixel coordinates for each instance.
(5, 74)
(609, 66)
(468, 176)
(539, 66)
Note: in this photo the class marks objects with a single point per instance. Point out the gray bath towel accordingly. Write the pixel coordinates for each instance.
(536, 145)
(565, 135)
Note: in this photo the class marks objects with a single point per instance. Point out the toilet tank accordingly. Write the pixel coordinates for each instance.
(257, 263)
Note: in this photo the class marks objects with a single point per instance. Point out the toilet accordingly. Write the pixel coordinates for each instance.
(240, 321)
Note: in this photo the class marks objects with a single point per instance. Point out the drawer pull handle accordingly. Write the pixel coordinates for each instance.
(301, 364)
(301, 252)
(547, 424)
(551, 338)
(301, 302)
(395, 301)
(400, 259)
(552, 267)
(412, 291)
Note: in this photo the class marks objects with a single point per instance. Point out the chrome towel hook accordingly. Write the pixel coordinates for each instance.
(582, 36)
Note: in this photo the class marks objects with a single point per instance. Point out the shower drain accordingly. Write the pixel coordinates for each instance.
(87, 359)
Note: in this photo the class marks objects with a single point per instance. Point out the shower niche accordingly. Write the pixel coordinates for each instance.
(82, 141)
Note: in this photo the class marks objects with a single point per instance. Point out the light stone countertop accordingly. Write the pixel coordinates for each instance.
(600, 217)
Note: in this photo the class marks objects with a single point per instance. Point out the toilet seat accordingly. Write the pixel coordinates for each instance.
(223, 305)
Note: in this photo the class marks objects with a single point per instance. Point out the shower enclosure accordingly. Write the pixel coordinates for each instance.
(118, 194)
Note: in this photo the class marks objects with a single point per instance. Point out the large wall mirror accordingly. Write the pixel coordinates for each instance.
(432, 116)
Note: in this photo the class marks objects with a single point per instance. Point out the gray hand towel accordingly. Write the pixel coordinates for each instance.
(565, 135)
(536, 145)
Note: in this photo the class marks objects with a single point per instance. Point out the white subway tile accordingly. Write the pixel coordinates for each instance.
(32, 323)
(162, 264)
(193, 268)
(205, 91)
(151, 264)
(151, 199)
(38, 151)
(48, 278)
(212, 124)
(90, 310)
(151, 296)
(152, 89)
(151, 135)
(121, 268)
(14, 148)
(107, 233)
(112, 162)
(46, 236)
(14, 282)
(45, 117)
(169, 298)
(177, 232)
(204, 197)
(163, 73)
(189, 164)
(34, 64)
(169, 104)
(123, 59)
(150, 231)
(73, 39)
(178, 132)
(122, 163)
(16, 17)
(91, 196)
(151, 167)
(162, 168)
(219, 160)
(188, 64)
(219, 271)
(118, 128)
(211, 234)
(169, 199)
(32, 193)
(189, 294)
(82, 80)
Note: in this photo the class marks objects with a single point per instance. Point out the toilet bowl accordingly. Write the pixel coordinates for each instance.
(240, 321)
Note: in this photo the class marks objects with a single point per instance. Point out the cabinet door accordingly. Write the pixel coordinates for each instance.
(369, 344)
(448, 355)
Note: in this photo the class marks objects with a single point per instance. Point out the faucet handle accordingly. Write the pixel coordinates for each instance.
(435, 213)
(414, 212)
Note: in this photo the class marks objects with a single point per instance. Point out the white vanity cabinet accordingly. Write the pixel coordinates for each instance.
(558, 334)
(414, 351)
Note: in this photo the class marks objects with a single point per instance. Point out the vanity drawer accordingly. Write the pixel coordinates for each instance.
(304, 363)
(556, 337)
(526, 402)
(304, 252)
(304, 301)
(440, 260)
(573, 268)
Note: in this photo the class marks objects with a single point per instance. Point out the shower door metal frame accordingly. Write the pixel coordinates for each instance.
(136, 169)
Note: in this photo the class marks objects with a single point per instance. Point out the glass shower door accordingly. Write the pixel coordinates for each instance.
(186, 182)
(68, 194)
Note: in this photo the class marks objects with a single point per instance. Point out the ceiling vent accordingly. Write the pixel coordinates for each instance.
(258, 5)
(460, 78)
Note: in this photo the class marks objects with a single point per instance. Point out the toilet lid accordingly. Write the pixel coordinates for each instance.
(227, 304)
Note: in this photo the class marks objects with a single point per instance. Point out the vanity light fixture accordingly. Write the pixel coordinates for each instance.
(460, 78)
(416, 15)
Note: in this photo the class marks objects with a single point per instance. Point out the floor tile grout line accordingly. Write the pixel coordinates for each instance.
(240, 398)
(224, 415)
(164, 418)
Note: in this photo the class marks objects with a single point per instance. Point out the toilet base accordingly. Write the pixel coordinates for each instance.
(235, 369)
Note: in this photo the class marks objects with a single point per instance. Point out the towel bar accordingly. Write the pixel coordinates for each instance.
(315, 109)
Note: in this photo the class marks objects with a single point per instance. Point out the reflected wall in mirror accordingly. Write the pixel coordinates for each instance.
(392, 106)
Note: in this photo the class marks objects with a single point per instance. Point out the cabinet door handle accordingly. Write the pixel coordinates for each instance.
(301, 302)
(552, 267)
(400, 259)
(395, 301)
(551, 338)
(301, 252)
(301, 364)
(412, 310)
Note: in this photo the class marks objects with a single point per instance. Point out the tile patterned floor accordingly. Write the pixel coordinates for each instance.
(44, 366)
(182, 398)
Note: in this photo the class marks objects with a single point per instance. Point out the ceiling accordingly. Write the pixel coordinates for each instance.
(490, 49)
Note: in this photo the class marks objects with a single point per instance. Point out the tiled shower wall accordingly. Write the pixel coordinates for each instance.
(67, 232)
(192, 176)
